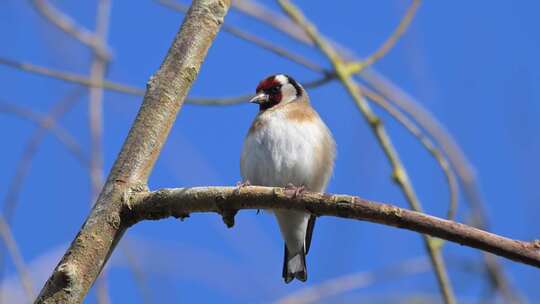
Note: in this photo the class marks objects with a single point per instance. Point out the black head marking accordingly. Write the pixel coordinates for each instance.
(299, 90)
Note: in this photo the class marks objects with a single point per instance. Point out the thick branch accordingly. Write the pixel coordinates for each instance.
(164, 97)
(181, 202)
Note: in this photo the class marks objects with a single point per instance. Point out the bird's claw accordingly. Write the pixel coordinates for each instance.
(243, 184)
(240, 185)
(293, 192)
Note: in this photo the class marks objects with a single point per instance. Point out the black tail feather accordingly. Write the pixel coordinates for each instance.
(309, 231)
(300, 274)
(290, 274)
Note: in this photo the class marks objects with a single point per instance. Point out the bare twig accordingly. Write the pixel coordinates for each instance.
(165, 94)
(71, 77)
(24, 163)
(95, 105)
(98, 70)
(181, 202)
(398, 170)
(16, 256)
(61, 134)
(458, 160)
(113, 86)
(45, 123)
(390, 41)
(354, 281)
(66, 24)
(137, 271)
(253, 39)
(278, 21)
(425, 141)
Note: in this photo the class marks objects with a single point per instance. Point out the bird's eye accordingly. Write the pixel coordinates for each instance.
(274, 90)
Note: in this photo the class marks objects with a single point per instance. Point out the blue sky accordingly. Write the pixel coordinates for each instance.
(474, 64)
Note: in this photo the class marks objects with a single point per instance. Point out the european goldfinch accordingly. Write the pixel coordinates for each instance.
(288, 145)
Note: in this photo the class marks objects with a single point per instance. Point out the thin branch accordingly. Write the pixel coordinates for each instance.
(181, 202)
(61, 134)
(95, 105)
(253, 39)
(498, 281)
(429, 145)
(458, 160)
(399, 173)
(165, 95)
(98, 70)
(278, 21)
(45, 123)
(69, 26)
(24, 163)
(16, 256)
(390, 41)
(71, 77)
(117, 87)
(137, 272)
(349, 282)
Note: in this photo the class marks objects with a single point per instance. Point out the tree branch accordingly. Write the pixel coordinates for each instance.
(181, 202)
(98, 71)
(11, 245)
(71, 77)
(165, 95)
(70, 27)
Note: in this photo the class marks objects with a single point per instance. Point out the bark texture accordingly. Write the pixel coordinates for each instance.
(181, 202)
(166, 91)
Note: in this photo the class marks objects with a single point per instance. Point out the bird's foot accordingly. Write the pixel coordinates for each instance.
(243, 184)
(240, 185)
(293, 192)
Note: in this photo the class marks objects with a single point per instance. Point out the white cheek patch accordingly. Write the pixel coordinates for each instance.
(288, 92)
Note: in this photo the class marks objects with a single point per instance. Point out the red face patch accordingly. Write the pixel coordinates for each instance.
(268, 83)
(272, 87)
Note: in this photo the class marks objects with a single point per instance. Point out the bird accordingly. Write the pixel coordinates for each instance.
(288, 145)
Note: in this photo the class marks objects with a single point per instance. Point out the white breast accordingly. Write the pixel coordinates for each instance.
(282, 151)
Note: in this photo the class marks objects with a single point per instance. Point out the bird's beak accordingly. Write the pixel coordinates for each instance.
(259, 98)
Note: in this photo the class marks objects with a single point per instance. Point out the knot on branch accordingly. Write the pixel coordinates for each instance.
(180, 216)
(130, 193)
(227, 213)
(374, 121)
(64, 278)
(391, 211)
